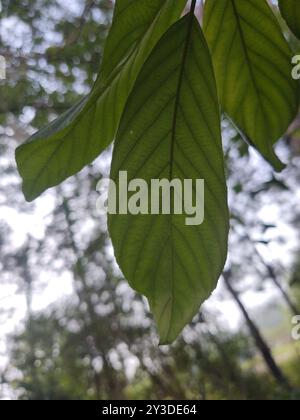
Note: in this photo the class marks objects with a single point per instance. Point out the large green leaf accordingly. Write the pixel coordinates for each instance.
(170, 129)
(252, 62)
(81, 134)
(130, 23)
(290, 10)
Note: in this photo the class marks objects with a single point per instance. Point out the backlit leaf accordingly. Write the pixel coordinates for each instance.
(171, 129)
(253, 68)
(82, 133)
(290, 10)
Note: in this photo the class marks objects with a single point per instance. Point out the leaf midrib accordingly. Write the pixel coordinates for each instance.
(245, 48)
(172, 148)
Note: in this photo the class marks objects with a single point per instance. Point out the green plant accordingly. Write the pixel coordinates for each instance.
(158, 95)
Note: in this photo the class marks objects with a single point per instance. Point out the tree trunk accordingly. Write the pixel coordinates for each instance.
(273, 276)
(259, 340)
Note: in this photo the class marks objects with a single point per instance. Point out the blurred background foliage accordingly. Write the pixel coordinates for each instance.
(70, 327)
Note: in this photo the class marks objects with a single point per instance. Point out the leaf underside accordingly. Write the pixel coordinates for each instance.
(78, 136)
(252, 62)
(290, 10)
(171, 129)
